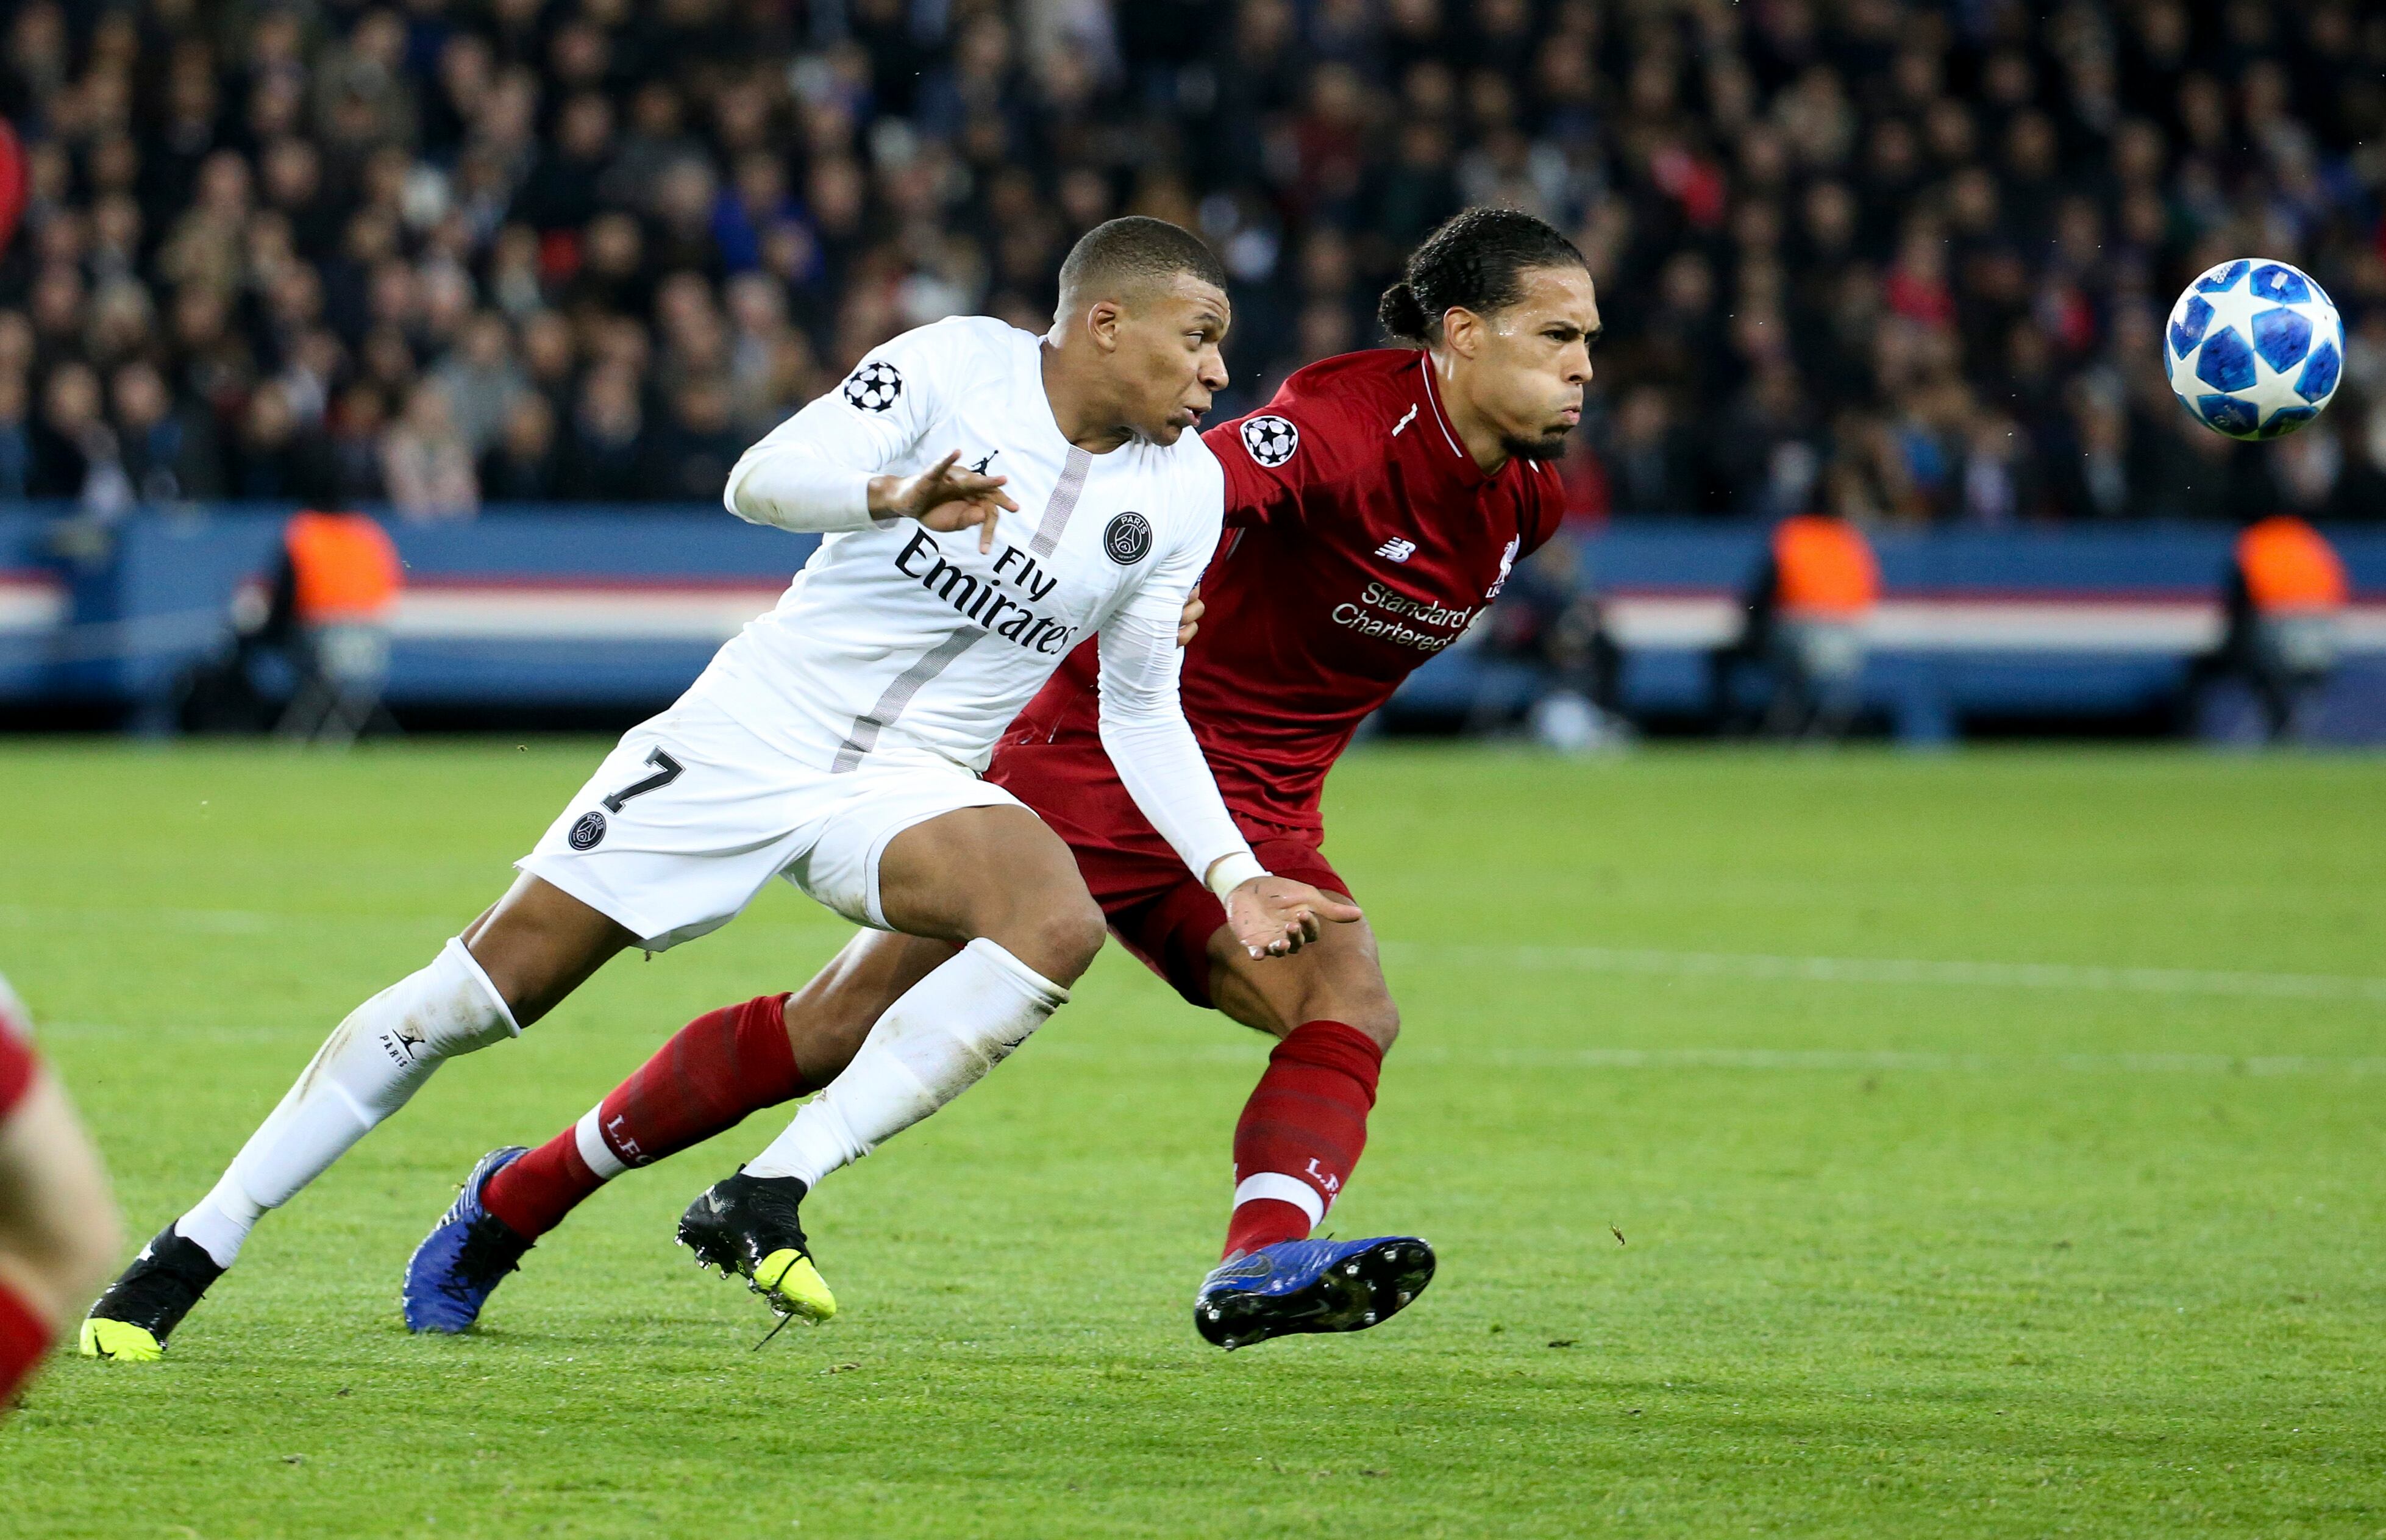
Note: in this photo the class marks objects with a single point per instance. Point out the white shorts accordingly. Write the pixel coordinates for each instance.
(691, 814)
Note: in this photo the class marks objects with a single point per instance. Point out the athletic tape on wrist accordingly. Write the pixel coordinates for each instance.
(1230, 872)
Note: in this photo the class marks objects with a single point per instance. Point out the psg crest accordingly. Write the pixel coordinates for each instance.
(1270, 439)
(588, 831)
(1127, 539)
(873, 387)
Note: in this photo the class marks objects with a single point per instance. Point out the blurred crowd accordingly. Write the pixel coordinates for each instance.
(1908, 262)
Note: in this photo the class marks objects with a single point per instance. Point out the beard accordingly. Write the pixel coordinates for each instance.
(1549, 446)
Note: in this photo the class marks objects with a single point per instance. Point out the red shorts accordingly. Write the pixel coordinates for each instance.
(1158, 909)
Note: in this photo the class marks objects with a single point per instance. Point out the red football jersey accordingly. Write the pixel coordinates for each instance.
(17, 1061)
(1361, 539)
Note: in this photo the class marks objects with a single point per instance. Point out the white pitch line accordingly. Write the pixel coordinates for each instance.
(1969, 1063)
(204, 922)
(1887, 970)
(1237, 1052)
(1244, 1050)
(1583, 959)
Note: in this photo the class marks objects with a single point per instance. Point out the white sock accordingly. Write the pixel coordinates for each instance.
(368, 1068)
(935, 1042)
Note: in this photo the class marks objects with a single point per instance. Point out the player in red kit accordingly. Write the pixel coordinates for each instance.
(58, 1230)
(1373, 509)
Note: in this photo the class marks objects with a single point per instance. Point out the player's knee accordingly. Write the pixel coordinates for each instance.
(1077, 929)
(1380, 1020)
(536, 944)
(1371, 1014)
(1060, 939)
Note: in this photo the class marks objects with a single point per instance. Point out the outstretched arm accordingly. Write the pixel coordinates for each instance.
(1144, 733)
(825, 469)
(794, 489)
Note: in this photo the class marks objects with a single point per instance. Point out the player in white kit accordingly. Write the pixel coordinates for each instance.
(989, 498)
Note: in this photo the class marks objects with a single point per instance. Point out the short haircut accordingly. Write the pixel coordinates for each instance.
(1476, 261)
(1125, 254)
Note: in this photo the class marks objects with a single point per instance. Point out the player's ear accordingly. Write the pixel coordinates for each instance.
(1102, 318)
(1461, 330)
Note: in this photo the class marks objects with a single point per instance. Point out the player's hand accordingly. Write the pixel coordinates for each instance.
(1190, 621)
(1274, 917)
(945, 497)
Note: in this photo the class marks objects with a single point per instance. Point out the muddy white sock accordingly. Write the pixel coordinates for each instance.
(934, 1043)
(368, 1068)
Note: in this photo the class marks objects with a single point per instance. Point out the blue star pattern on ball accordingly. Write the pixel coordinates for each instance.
(2237, 419)
(2282, 337)
(2192, 319)
(2221, 278)
(2253, 348)
(2280, 283)
(2318, 380)
(2226, 362)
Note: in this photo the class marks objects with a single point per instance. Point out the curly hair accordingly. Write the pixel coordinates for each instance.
(1476, 261)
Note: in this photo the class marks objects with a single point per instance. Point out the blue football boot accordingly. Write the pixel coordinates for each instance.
(1295, 1286)
(464, 1258)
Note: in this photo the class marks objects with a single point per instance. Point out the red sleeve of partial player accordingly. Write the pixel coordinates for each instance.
(17, 1063)
(1282, 452)
(1258, 489)
(14, 183)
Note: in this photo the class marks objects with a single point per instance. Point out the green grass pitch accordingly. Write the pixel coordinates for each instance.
(1835, 1144)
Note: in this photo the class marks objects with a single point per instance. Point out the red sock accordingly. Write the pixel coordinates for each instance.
(24, 1337)
(1300, 1133)
(718, 1069)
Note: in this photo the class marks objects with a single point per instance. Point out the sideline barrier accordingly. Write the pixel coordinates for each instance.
(2086, 624)
(620, 607)
(588, 607)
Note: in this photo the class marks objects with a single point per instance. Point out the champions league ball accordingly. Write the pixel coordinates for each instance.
(2253, 348)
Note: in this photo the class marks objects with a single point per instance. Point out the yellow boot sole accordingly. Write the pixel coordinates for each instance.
(119, 1340)
(793, 1286)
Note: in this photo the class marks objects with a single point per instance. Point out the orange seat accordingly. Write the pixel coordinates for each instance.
(345, 567)
(1825, 569)
(2289, 568)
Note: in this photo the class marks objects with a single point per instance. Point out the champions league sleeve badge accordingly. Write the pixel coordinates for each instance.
(1270, 439)
(873, 387)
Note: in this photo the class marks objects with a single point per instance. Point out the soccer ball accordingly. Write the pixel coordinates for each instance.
(2253, 348)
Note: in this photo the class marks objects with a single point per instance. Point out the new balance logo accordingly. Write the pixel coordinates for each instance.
(1405, 421)
(1396, 549)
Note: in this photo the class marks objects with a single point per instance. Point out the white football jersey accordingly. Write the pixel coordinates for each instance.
(896, 640)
